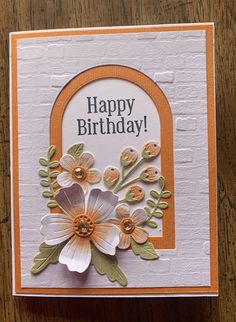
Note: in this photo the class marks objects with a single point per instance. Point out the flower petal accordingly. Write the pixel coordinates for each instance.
(84, 186)
(76, 254)
(114, 221)
(56, 228)
(140, 235)
(92, 199)
(124, 241)
(93, 176)
(71, 200)
(139, 216)
(68, 162)
(122, 211)
(65, 179)
(101, 204)
(106, 237)
(86, 160)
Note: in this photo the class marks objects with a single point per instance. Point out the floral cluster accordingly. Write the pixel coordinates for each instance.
(79, 234)
(81, 227)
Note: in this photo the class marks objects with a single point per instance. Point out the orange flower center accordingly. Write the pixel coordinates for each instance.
(83, 225)
(79, 173)
(127, 225)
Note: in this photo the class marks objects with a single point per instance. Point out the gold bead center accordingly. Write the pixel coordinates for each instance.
(80, 173)
(83, 226)
(127, 226)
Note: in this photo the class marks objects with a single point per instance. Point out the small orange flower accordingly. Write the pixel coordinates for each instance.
(135, 194)
(150, 150)
(111, 176)
(129, 226)
(150, 174)
(128, 157)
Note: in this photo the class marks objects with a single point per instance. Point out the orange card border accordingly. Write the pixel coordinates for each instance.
(167, 240)
(213, 288)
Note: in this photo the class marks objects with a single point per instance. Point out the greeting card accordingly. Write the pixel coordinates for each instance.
(113, 161)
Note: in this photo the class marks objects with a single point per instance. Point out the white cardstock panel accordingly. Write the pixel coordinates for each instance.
(176, 61)
(107, 148)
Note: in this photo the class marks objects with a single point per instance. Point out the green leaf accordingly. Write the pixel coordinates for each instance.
(43, 161)
(107, 265)
(55, 184)
(128, 197)
(51, 151)
(151, 203)
(43, 173)
(47, 194)
(54, 174)
(76, 150)
(161, 182)
(163, 205)
(154, 194)
(148, 211)
(145, 251)
(54, 164)
(45, 183)
(158, 214)
(109, 182)
(52, 204)
(47, 255)
(151, 224)
(166, 194)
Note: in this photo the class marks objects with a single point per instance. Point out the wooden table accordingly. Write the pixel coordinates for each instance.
(42, 14)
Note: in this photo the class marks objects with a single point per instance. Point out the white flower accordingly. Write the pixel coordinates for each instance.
(81, 227)
(78, 171)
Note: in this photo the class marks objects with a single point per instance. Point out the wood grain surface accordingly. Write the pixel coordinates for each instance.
(43, 14)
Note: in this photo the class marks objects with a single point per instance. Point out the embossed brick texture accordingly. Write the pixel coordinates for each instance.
(176, 62)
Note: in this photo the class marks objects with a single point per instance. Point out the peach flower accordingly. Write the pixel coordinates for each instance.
(78, 171)
(129, 226)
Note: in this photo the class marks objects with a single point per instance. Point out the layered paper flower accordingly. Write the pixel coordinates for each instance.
(129, 226)
(81, 227)
(78, 171)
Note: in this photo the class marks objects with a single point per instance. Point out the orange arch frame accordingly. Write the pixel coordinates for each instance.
(167, 240)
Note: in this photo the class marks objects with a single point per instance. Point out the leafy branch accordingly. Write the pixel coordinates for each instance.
(122, 183)
(156, 205)
(49, 175)
(116, 180)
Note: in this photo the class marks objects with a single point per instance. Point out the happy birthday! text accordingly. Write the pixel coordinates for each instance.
(118, 118)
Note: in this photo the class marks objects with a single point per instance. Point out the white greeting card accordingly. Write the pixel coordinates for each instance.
(113, 161)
